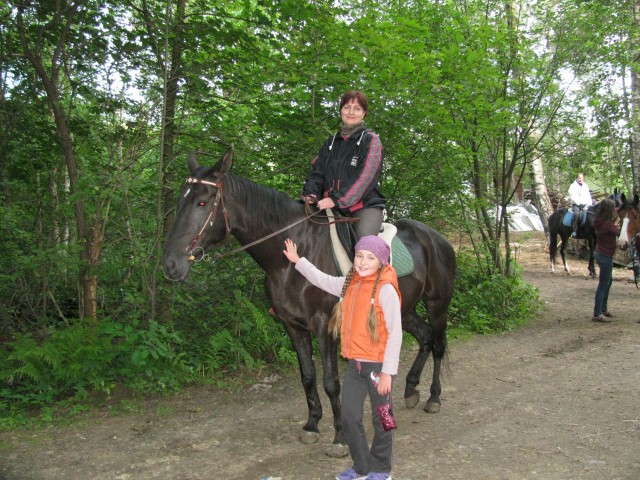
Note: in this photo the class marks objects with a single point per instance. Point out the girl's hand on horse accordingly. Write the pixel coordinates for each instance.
(384, 384)
(291, 251)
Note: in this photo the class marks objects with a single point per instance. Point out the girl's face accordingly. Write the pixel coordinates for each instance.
(366, 263)
(352, 112)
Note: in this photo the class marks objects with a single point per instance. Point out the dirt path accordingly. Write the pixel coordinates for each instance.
(559, 399)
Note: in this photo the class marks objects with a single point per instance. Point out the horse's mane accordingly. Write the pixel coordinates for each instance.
(267, 204)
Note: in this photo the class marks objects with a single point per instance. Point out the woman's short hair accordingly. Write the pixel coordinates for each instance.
(356, 95)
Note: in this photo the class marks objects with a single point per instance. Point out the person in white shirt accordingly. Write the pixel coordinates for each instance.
(580, 198)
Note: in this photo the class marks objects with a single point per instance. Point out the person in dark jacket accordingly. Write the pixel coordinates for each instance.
(606, 235)
(345, 175)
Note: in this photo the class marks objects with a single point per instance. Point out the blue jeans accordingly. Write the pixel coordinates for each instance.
(605, 279)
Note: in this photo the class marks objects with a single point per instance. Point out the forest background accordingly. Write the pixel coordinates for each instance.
(101, 102)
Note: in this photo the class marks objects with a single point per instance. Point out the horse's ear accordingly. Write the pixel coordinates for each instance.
(227, 160)
(192, 163)
(223, 166)
(635, 200)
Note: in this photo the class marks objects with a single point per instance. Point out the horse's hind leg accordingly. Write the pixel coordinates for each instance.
(417, 327)
(563, 245)
(553, 246)
(438, 346)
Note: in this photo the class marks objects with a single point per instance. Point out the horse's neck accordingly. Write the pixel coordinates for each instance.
(255, 212)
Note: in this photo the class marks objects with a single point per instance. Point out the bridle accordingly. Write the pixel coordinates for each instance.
(219, 201)
(634, 243)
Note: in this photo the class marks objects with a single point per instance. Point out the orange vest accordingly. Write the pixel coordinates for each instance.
(355, 341)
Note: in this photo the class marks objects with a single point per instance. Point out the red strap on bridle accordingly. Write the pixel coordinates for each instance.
(219, 200)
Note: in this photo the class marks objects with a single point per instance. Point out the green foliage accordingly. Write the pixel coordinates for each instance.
(489, 303)
(252, 338)
(72, 362)
(69, 364)
(454, 95)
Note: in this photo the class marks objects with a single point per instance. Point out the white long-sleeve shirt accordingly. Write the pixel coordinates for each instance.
(579, 194)
(389, 302)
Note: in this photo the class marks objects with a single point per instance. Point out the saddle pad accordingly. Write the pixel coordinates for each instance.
(402, 259)
(568, 217)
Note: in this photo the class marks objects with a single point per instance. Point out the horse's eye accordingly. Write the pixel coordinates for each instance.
(202, 204)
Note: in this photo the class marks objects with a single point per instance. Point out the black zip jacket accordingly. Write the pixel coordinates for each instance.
(348, 170)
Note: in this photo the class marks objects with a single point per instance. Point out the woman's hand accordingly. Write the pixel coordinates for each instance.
(326, 203)
(291, 251)
(384, 384)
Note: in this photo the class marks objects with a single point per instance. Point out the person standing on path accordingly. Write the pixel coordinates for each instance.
(606, 235)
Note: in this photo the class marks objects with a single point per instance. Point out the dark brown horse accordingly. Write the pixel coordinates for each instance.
(558, 225)
(215, 203)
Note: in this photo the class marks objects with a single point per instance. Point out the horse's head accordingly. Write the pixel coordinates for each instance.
(199, 220)
(629, 213)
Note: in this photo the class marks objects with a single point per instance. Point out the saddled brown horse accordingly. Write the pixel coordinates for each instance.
(558, 225)
(215, 203)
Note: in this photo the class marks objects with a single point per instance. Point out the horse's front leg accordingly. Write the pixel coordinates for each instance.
(592, 267)
(331, 381)
(301, 341)
(565, 265)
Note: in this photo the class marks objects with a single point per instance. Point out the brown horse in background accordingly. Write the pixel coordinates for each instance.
(629, 213)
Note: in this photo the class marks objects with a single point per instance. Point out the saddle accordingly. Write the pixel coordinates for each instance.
(568, 218)
(343, 242)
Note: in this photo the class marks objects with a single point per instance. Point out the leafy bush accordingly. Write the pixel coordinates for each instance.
(70, 363)
(252, 338)
(488, 304)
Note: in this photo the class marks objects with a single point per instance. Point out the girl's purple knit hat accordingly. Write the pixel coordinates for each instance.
(375, 245)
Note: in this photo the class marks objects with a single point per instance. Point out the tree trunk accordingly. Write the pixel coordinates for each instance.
(166, 203)
(542, 201)
(635, 95)
(90, 253)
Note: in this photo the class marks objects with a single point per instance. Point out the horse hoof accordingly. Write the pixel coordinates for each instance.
(309, 438)
(432, 407)
(337, 450)
(412, 400)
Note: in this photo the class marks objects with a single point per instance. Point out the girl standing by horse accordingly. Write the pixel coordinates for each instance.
(606, 234)
(367, 317)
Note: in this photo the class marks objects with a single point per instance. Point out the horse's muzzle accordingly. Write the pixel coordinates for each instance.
(175, 271)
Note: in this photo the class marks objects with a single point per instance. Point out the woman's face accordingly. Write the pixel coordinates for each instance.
(352, 112)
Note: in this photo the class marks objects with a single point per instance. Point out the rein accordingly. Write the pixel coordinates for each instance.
(219, 200)
(634, 252)
(633, 243)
